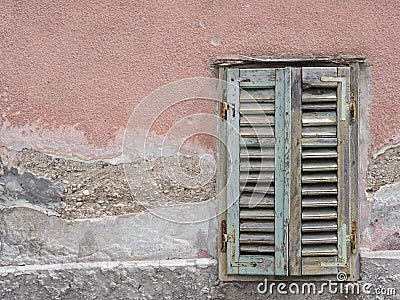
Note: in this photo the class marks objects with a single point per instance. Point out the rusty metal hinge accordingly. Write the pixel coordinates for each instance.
(224, 110)
(352, 238)
(353, 106)
(224, 237)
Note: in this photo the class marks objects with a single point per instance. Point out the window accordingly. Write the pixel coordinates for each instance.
(288, 175)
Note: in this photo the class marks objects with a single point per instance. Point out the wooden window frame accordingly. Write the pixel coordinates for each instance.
(359, 68)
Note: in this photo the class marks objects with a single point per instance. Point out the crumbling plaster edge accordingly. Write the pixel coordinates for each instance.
(173, 263)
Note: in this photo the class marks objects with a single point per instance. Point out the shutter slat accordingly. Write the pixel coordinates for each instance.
(319, 118)
(319, 177)
(319, 201)
(318, 226)
(256, 108)
(263, 164)
(312, 265)
(266, 153)
(319, 165)
(319, 106)
(254, 120)
(319, 95)
(319, 189)
(256, 176)
(257, 200)
(257, 95)
(255, 238)
(319, 250)
(319, 214)
(256, 214)
(257, 78)
(257, 249)
(258, 142)
(319, 142)
(319, 238)
(261, 188)
(319, 153)
(311, 77)
(253, 226)
(324, 131)
(246, 132)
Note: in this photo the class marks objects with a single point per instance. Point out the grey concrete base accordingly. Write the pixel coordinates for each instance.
(170, 279)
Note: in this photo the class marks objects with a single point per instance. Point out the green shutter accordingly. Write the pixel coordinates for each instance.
(289, 174)
(324, 163)
(251, 165)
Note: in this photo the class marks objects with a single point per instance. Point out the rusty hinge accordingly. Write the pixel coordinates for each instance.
(352, 238)
(353, 106)
(223, 236)
(224, 110)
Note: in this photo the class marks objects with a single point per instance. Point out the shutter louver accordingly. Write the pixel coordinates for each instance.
(288, 195)
(320, 240)
(251, 115)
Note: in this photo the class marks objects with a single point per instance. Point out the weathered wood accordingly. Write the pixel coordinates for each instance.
(324, 131)
(322, 165)
(256, 108)
(257, 200)
(233, 192)
(319, 118)
(319, 201)
(343, 166)
(259, 249)
(257, 132)
(257, 78)
(312, 76)
(318, 189)
(354, 159)
(320, 226)
(319, 214)
(248, 165)
(265, 153)
(319, 95)
(257, 95)
(258, 142)
(280, 134)
(253, 226)
(257, 120)
(319, 177)
(255, 238)
(246, 176)
(312, 265)
(318, 142)
(317, 106)
(319, 250)
(262, 188)
(294, 237)
(319, 238)
(256, 213)
(319, 153)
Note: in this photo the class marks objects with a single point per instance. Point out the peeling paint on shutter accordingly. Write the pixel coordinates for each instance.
(251, 167)
(291, 186)
(324, 187)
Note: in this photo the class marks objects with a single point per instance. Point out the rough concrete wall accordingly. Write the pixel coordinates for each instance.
(190, 279)
(383, 195)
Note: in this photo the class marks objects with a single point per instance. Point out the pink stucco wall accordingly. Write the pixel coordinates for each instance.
(86, 64)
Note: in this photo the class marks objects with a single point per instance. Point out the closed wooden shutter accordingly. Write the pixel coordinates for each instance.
(289, 171)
